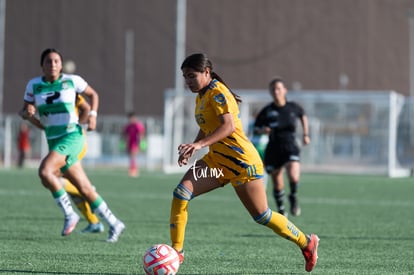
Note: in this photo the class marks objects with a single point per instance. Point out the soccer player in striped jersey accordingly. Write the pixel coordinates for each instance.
(231, 158)
(53, 96)
(94, 225)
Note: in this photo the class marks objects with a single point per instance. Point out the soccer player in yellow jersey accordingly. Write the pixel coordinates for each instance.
(94, 225)
(231, 158)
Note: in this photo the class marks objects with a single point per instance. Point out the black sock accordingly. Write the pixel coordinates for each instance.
(293, 188)
(278, 195)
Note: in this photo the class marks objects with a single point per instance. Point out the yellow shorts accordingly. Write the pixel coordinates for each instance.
(235, 175)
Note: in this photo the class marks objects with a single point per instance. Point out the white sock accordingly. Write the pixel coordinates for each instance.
(64, 203)
(105, 213)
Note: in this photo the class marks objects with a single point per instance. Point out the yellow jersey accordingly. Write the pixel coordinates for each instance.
(235, 154)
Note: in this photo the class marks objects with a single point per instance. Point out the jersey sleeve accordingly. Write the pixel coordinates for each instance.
(260, 119)
(220, 102)
(300, 112)
(80, 83)
(28, 92)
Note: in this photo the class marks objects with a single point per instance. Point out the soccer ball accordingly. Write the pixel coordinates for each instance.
(161, 259)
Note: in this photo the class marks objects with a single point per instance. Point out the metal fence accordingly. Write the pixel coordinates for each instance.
(106, 145)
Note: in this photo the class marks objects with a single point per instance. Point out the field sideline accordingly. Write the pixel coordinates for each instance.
(365, 223)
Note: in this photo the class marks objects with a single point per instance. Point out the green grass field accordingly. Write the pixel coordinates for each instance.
(365, 224)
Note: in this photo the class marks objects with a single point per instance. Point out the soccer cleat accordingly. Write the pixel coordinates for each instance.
(94, 228)
(310, 252)
(70, 223)
(294, 206)
(296, 211)
(115, 232)
(180, 255)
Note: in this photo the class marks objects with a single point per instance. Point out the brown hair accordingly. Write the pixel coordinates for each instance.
(48, 51)
(200, 62)
(273, 82)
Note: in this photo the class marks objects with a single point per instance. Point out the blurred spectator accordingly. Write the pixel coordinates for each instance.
(133, 133)
(23, 144)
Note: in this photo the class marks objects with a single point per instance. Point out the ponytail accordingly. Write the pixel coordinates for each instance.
(236, 96)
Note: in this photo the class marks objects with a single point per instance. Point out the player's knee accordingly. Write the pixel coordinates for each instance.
(87, 192)
(45, 173)
(263, 218)
(181, 192)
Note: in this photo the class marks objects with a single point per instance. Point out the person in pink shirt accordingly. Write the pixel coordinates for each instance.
(133, 132)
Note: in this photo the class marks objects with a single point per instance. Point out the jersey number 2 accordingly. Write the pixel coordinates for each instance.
(51, 97)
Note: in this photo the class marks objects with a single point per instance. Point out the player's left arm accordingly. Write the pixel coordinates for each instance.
(305, 127)
(94, 103)
(83, 109)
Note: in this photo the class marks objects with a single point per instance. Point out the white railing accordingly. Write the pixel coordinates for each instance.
(351, 131)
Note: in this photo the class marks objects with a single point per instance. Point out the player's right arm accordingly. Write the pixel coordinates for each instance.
(260, 125)
(28, 110)
(27, 113)
(200, 135)
(36, 122)
(183, 155)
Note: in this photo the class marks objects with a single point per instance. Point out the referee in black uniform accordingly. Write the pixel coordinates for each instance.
(278, 120)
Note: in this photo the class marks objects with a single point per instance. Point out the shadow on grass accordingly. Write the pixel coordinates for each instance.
(363, 238)
(249, 273)
(78, 273)
(9, 271)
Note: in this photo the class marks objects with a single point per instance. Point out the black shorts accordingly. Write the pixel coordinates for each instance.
(279, 154)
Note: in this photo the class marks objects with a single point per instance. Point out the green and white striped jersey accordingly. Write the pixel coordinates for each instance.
(55, 103)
